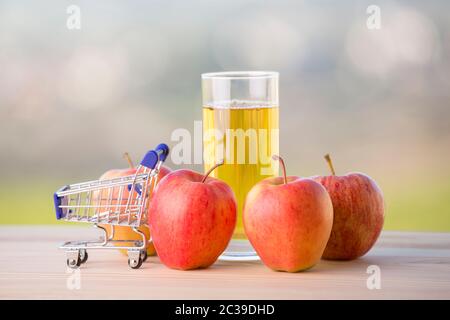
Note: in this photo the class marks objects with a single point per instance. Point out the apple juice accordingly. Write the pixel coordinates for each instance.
(243, 135)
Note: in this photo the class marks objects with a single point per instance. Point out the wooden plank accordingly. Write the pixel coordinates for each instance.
(413, 265)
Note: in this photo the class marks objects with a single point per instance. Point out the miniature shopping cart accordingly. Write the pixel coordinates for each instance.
(121, 201)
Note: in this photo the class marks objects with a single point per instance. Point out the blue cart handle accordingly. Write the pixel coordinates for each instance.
(153, 156)
(57, 200)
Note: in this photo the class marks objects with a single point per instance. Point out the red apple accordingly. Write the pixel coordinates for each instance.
(358, 214)
(288, 221)
(192, 218)
(125, 232)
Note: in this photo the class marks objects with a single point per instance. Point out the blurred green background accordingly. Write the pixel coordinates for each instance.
(72, 101)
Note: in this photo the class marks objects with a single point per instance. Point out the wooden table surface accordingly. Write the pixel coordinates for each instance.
(412, 265)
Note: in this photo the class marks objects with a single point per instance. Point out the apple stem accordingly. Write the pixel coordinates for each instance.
(211, 170)
(283, 167)
(330, 163)
(128, 158)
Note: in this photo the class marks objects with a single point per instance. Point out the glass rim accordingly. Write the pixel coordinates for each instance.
(241, 75)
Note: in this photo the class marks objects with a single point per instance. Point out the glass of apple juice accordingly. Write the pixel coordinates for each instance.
(241, 129)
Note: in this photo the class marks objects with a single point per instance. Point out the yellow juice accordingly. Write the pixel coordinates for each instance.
(243, 136)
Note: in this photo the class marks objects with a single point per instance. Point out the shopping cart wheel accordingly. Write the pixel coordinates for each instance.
(73, 258)
(144, 255)
(73, 263)
(135, 263)
(83, 256)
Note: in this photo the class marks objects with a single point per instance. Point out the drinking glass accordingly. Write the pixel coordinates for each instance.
(240, 128)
